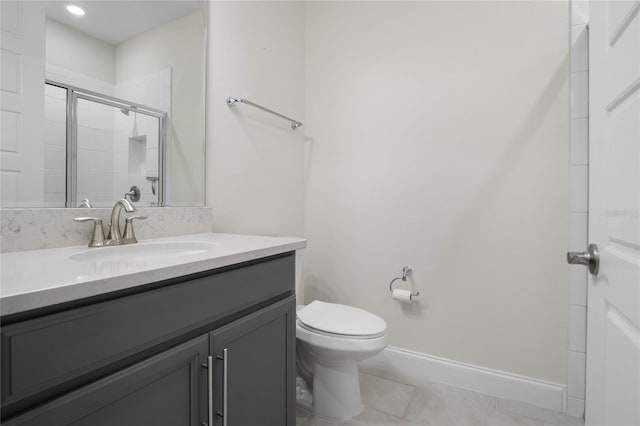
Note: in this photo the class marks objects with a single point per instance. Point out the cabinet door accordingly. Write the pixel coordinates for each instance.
(254, 368)
(168, 389)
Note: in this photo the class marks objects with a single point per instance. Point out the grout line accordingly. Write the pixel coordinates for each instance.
(394, 416)
(404, 412)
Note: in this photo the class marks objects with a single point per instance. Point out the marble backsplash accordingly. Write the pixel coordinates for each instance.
(32, 229)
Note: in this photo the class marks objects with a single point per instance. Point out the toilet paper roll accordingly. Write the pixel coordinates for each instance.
(402, 295)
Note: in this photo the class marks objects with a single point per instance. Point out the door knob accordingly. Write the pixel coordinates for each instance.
(590, 258)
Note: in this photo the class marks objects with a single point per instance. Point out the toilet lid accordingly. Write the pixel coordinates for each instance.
(341, 319)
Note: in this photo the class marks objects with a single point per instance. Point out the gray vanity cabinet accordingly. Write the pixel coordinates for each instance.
(156, 355)
(254, 365)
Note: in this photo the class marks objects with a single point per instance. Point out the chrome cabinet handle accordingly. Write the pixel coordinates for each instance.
(210, 382)
(590, 258)
(225, 377)
(209, 367)
(224, 358)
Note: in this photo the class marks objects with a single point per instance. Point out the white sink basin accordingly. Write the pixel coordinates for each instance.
(151, 251)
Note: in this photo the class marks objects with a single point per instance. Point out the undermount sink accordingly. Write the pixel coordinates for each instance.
(145, 251)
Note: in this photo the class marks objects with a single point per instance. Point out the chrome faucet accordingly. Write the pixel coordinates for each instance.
(115, 236)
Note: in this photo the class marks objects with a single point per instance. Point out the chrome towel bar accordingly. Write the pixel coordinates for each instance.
(232, 101)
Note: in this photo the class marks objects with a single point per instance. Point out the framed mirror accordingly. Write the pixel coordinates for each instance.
(112, 100)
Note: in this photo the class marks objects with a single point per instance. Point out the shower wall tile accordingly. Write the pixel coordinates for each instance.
(578, 331)
(54, 199)
(579, 48)
(152, 90)
(579, 154)
(580, 94)
(85, 158)
(578, 231)
(55, 109)
(579, 187)
(102, 118)
(577, 368)
(103, 140)
(578, 217)
(95, 140)
(120, 165)
(578, 286)
(55, 133)
(55, 181)
(55, 157)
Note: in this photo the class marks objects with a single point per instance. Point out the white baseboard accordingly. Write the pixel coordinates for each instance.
(415, 368)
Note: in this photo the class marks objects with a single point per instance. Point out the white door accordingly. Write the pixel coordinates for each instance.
(613, 319)
(22, 103)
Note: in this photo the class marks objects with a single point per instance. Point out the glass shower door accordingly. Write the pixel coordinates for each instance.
(117, 148)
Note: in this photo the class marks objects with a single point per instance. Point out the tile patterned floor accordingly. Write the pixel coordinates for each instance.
(387, 403)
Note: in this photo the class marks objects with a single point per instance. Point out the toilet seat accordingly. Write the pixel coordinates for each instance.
(338, 335)
(336, 343)
(332, 319)
(339, 319)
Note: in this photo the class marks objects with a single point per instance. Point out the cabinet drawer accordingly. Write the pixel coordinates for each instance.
(49, 351)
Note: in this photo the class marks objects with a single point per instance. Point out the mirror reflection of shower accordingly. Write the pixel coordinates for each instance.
(116, 144)
(154, 185)
(134, 132)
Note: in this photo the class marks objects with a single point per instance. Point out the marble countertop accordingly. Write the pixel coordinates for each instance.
(39, 278)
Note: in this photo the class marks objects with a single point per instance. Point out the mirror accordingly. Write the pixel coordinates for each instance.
(122, 106)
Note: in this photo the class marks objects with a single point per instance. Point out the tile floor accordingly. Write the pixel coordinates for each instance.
(390, 403)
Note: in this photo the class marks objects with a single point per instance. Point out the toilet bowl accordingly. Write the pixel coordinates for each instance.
(331, 340)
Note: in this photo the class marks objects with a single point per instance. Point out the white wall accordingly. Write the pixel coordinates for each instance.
(180, 46)
(255, 162)
(435, 135)
(73, 50)
(440, 140)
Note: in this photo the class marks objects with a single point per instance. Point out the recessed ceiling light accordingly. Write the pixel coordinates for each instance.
(76, 10)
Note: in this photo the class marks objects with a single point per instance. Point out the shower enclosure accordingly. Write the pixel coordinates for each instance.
(100, 146)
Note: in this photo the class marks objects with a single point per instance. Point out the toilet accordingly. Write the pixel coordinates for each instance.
(331, 340)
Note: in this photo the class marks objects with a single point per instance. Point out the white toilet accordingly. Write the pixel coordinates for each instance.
(331, 339)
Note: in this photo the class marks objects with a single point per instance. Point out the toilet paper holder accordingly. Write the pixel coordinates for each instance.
(406, 271)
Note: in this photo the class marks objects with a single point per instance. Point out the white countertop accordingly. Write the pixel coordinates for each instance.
(39, 278)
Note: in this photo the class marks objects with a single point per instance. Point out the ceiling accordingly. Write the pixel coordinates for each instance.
(118, 21)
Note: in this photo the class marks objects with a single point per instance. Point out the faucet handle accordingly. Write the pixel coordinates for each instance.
(97, 238)
(129, 235)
